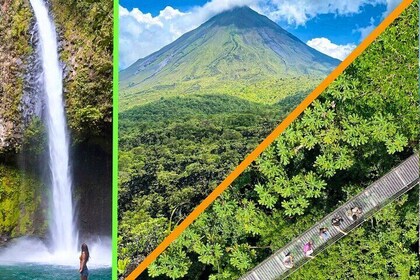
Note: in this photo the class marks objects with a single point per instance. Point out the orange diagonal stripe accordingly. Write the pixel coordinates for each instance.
(267, 141)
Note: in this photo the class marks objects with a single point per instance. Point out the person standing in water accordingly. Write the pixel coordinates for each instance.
(84, 257)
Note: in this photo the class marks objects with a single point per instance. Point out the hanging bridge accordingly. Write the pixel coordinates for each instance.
(386, 189)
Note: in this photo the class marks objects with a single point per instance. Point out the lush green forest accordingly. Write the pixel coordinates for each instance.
(192, 111)
(84, 29)
(364, 124)
(170, 159)
(268, 91)
(177, 155)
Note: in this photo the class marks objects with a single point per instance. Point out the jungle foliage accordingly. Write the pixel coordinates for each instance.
(20, 203)
(175, 151)
(86, 30)
(363, 124)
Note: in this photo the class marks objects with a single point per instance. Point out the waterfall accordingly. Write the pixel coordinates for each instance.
(62, 225)
(62, 248)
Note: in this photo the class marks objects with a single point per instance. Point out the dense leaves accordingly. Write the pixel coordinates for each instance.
(174, 152)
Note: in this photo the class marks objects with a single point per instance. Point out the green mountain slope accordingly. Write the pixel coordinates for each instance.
(235, 49)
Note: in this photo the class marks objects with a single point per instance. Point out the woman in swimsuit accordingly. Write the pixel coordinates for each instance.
(84, 257)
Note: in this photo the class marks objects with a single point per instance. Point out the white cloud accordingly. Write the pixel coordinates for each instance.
(365, 31)
(146, 19)
(300, 11)
(142, 34)
(390, 6)
(325, 46)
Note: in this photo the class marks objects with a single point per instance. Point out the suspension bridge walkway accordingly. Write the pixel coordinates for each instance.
(386, 189)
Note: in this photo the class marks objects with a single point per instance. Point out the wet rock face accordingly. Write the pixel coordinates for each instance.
(19, 94)
(92, 181)
(10, 134)
(32, 100)
(10, 124)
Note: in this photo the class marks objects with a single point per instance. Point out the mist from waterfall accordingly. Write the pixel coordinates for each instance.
(62, 225)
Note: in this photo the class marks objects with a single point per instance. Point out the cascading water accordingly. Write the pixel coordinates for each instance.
(62, 226)
(63, 248)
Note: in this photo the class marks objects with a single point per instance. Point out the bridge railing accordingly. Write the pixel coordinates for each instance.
(386, 189)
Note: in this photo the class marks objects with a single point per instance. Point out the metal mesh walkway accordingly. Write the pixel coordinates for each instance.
(389, 187)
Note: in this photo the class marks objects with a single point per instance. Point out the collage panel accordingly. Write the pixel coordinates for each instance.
(341, 146)
(209, 139)
(336, 191)
(56, 139)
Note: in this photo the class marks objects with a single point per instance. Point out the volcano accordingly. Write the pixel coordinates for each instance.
(238, 46)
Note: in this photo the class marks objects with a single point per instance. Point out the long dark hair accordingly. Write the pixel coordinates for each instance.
(86, 250)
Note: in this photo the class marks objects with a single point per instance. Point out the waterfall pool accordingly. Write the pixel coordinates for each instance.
(29, 258)
(30, 271)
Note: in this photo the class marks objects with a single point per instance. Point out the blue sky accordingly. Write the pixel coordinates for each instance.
(334, 27)
(155, 6)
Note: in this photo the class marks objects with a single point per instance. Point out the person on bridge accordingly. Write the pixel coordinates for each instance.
(324, 234)
(308, 249)
(336, 222)
(288, 260)
(356, 212)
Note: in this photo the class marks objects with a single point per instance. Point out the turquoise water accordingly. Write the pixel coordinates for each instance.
(49, 272)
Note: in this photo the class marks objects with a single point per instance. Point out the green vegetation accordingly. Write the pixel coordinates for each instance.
(364, 124)
(267, 91)
(175, 151)
(15, 20)
(86, 30)
(20, 202)
(34, 138)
